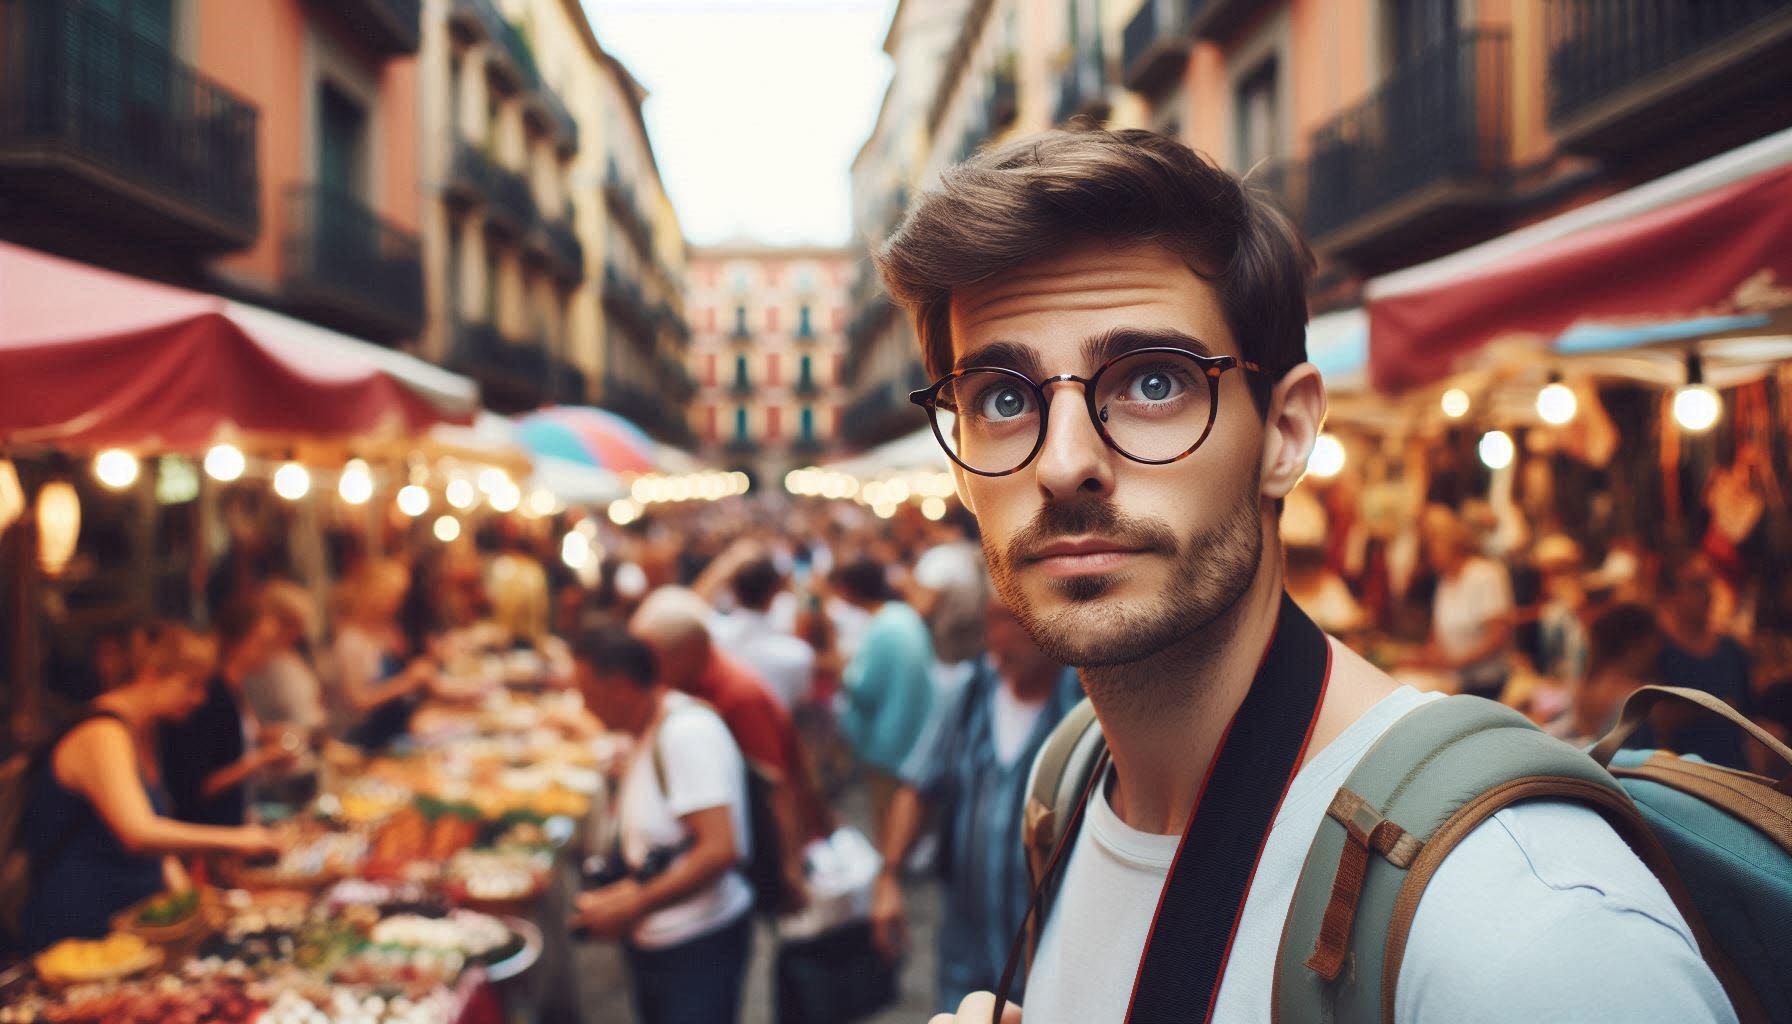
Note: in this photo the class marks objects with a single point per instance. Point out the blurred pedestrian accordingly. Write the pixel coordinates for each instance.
(887, 689)
(1624, 645)
(377, 683)
(96, 824)
(1697, 655)
(210, 756)
(1471, 611)
(972, 776)
(683, 908)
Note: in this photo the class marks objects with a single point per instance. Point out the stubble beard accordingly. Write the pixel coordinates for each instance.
(1127, 651)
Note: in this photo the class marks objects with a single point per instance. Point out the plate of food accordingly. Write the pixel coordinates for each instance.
(81, 961)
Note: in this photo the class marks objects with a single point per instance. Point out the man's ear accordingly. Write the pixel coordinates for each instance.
(1296, 415)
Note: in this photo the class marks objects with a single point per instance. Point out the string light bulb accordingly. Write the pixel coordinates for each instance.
(1697, 406)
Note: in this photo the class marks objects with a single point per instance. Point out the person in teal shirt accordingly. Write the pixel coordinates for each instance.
(887, 689)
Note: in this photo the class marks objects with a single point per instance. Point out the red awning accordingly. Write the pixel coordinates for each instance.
(89, 358)
(1712, 240)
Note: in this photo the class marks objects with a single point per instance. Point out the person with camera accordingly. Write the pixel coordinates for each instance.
(679, 904)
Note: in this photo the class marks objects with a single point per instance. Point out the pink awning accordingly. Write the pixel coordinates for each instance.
(1710, 241)
(89, 357)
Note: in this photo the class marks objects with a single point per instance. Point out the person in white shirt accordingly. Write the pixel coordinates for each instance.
(784, 661)
(1117, 328)
(683, 910)
(1472, 613)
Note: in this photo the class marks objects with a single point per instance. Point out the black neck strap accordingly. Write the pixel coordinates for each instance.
(1197, 914)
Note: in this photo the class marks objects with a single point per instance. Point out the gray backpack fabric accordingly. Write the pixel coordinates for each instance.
(1438, 772)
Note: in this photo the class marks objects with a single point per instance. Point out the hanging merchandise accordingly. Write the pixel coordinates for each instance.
(58, 525)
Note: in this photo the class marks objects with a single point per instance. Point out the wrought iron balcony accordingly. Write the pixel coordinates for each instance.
(1429, 146)
(566, 254)
(1219, 19)
(1625, 72)
(1003, 101)
(806, 388)
(570, 387)
(513, 375)
(646, 409)
(100, 123)
(560, 121)
(742, 447)
(348, 267)
(389, 26)
(806, 446)
(510, 202)
(624, 300)
(741, 388)
(1154, 46)
(1081, 90)
(619, 196)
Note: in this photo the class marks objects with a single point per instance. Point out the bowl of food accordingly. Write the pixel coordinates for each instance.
(171, 917)
(82, 961)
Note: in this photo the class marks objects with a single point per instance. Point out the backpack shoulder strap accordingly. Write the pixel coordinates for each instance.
(1431, 779)
(1060, 774)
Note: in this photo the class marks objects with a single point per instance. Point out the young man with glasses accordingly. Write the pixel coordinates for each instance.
(1117, 329)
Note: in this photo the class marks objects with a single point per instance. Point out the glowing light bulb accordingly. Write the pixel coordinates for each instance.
(292, 481)
(1697, 407)
(1496, 449)
(1456, 403)
(1556, 404)
(1327, 460)
(356, 484)
(225, 462)
(116, 468)
(447, 528)
(413, 500)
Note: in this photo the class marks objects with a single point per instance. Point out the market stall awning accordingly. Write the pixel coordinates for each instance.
(917, 451)
(1711, 241)
(90, 357)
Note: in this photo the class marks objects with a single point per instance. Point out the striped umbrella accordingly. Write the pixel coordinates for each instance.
(587, 436)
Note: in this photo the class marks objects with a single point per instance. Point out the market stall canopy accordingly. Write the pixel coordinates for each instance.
(91, 358)
(1711, 242)
(498, 440)
(916, 451)
(588, 436)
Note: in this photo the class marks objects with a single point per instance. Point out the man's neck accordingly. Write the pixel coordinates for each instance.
(1161, 753)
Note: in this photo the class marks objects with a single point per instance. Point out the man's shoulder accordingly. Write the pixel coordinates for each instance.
(1544, 908)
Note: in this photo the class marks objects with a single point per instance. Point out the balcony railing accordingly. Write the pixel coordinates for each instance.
(570, 386)
(807, 388)
(1219, 19)
(1154, 46)
(1003, 101)
(741, 447)
(806, 446)
(98, 120)
(741, 387)
(1437, 124)
(351, 268)
(624, 300)
(620, 197)
(389, 26)
(566, 253)
(646, 409)
(1637, 68)
(512, 201)
(560, 122)
(513, 375)
(1081, 90)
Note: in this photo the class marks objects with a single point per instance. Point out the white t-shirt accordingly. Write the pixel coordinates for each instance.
(1011, 721)
(785, 662)
(1463, 611)
(1540, 914)
(704, 769)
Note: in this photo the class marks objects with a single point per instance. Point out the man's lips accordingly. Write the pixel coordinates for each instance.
(1081, 557)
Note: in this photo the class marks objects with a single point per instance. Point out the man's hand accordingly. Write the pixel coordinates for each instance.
(608, 913)
(889, 917)
(979, 1008)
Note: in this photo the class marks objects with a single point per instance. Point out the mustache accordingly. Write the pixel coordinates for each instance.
(1093, 516)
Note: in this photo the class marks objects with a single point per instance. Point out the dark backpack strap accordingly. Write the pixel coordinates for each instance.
(1430, 780)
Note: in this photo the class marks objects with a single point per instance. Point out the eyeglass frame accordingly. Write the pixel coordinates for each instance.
(1213, 367)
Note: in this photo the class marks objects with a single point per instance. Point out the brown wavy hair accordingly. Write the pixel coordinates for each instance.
(1029, 199)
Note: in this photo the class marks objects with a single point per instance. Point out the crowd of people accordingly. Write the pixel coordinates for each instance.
(808, 646)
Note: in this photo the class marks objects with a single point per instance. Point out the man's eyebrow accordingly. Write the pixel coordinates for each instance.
(1009, 355)
(1118, 341)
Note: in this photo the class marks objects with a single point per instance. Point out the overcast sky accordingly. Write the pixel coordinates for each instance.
(755, 107)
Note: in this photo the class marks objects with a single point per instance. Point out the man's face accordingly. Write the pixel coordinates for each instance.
(1105, 560)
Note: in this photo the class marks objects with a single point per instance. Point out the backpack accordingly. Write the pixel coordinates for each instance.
(763, 863)
(1719, 840)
